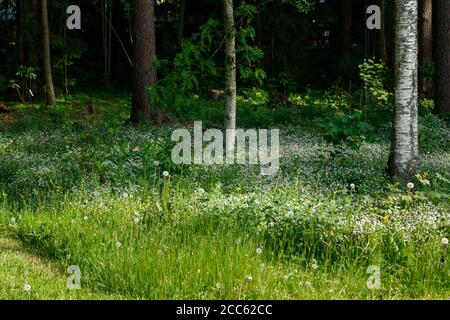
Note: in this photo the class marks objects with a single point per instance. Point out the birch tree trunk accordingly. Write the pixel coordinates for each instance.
(230, 75)
(405, 148)
(442, 17)
(51, 98)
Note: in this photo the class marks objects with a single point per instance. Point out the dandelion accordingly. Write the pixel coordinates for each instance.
(13, 220)
(118, 244)
(125, 195)
(410, 185)
(85, 218)
(352, 186)
(249, 277)
(165, 174)
(290, 213)
(136, 220)
(314, 264)
(201, 191)
(444, 241)
(136, 213)
(156, 163)
(27, 287)
(258, 250)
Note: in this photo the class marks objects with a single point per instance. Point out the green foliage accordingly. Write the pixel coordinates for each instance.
(177, 90)
(434, 133)
(347, 131)
(374, 76)
(23, 83)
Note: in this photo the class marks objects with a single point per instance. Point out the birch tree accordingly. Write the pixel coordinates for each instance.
(230, 76)
(405, 148)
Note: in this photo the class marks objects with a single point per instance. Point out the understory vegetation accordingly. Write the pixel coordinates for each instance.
(79, 188)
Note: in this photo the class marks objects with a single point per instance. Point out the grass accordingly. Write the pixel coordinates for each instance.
(20, 267)
(78, 188)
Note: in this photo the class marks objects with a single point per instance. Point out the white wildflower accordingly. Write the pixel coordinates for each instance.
(27, 287)
(118, 244)
(410, 185)
(444, 241)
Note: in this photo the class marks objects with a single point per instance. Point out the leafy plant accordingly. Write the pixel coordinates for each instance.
(347, 131)
(23, 84)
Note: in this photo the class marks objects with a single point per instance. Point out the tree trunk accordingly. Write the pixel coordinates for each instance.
(19, 32)
(382, 50)
(230, 75)
(442, 17)
(345, 26)
(426, 43)
(181, 24)
(51, 98)
(144, 54)
(405, 148)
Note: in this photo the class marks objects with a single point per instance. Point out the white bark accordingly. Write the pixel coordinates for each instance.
(230, 77)
(405, 148)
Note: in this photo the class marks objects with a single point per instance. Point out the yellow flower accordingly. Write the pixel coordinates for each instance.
(385, 218)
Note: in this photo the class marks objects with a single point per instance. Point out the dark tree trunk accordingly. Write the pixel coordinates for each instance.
(442, 16)
(426, 43)
(144, 54)
(382, 50)
(181, 23)
(345, 26)
(51, 98)
(19, 31)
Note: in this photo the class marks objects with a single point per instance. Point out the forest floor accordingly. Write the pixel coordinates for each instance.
(78, 188)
